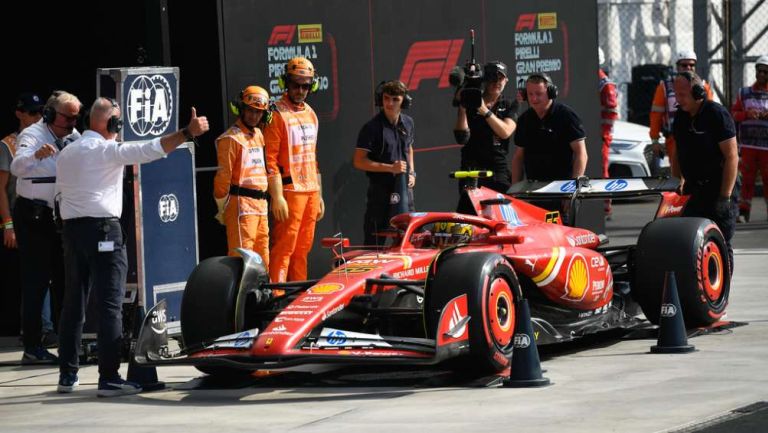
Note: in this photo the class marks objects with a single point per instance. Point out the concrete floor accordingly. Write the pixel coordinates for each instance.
(612, 386)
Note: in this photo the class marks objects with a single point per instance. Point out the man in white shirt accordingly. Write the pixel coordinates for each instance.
(89, 185)
(34, 166)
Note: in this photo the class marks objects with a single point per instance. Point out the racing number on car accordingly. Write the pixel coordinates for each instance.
(552, 217)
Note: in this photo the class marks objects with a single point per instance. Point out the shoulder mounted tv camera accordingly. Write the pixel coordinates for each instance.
(468, 81)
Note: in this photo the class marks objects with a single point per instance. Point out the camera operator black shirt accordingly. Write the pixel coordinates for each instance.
(698, 144)
(386, 143)
(485, 150)
(547, 142)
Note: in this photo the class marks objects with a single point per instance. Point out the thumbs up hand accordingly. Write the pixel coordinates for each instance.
(197, 125)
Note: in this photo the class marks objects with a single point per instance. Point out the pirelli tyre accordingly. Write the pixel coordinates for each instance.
(208, 304)
(492, 289)
(694, 248)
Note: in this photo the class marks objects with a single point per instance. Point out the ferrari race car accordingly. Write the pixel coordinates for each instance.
(447, 286)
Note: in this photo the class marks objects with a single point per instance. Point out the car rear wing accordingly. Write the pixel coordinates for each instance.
(585, 187)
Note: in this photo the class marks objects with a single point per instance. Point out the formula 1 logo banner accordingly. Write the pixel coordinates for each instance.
(430, 60)
(306, 40)
(541, 45)
(150, 107)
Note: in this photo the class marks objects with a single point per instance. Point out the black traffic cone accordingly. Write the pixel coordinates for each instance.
(143, 375)
(526, 368)
(672, 336)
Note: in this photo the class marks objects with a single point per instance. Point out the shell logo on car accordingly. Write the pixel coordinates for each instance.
(324, 289)
(577, 279)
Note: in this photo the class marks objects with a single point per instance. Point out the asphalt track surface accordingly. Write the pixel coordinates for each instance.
(602, 384)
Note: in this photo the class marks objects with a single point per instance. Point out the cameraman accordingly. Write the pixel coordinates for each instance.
(485, 131)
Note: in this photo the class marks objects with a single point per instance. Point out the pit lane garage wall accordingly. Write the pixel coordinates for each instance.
(355, 44)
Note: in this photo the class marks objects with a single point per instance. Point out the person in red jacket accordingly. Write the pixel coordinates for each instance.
(609, 113)
(750, 111)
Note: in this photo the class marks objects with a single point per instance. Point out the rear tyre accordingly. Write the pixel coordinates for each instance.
(694, 248)
(208, 305)
(492, 290)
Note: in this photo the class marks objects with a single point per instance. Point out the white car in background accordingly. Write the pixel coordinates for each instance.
(631, 154)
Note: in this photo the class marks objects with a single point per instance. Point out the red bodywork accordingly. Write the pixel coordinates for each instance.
(560, 260)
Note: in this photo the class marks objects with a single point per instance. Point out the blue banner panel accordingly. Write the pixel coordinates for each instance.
(169, 226)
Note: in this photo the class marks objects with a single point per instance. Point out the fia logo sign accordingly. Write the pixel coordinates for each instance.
(150, 105)
(668, 310)
(521, 341)
(168, 208)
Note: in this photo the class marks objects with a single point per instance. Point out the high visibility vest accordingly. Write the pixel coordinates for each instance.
(248, 168)
(297, 160)
(754, 132)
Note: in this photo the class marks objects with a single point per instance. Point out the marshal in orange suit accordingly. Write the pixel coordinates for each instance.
(293, 173)
(240, 185)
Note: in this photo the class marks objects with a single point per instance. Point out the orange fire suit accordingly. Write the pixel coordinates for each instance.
(750, 111)
(662, 113)
(291, 141)
(242, 180)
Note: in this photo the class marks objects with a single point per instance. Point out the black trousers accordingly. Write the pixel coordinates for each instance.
(10, 294)
(42, 266)
(102, 272)
(378, 210)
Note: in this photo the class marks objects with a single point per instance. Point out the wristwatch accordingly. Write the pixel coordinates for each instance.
(188, 135)
(488, 114)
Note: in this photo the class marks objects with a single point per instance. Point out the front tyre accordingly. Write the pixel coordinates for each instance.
(208, 306)
(492, 289)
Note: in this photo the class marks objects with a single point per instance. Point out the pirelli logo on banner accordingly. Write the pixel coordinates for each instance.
(548, 21)
(310, 33)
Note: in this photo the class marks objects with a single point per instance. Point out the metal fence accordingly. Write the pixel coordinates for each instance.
(727, 36)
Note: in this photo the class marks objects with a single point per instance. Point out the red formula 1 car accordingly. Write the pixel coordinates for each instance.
(447, 286)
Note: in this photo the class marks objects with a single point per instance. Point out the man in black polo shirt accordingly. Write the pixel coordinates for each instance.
(707, 155)
(385, 152)
(550, 137)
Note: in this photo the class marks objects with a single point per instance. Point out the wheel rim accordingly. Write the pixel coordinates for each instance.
(501, 313)
(712, 271)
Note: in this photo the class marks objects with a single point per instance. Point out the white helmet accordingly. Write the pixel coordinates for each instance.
(600, 56)
(685, 55)
(762, 60)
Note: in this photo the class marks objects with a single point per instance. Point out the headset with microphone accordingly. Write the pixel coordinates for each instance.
(378, 95)
(304, 67)
(698, 92)
(114, 123)
(551, 87)
(237, 106)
